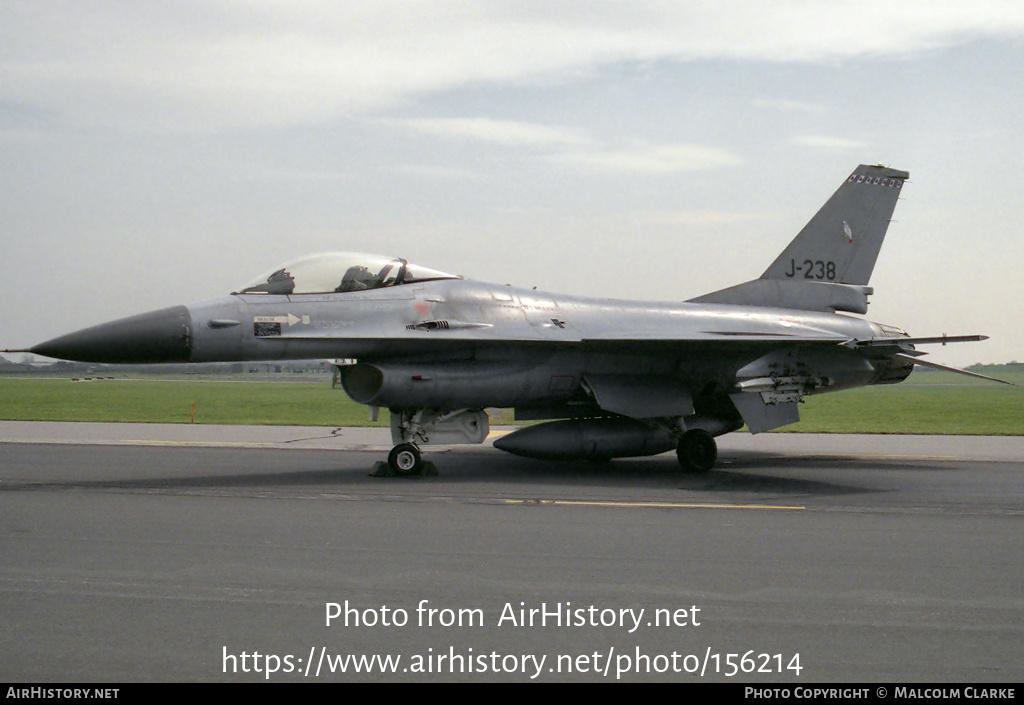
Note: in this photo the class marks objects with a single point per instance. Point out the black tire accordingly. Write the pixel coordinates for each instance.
(697, 451)
(404, 460)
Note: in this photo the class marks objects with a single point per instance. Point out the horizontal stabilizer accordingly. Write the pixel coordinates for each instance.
(947, 368)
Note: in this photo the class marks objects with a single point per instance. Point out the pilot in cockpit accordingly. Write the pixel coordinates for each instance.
(356, 278)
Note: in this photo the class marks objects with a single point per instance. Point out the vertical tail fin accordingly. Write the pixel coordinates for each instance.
(841, 242)
(828, 264)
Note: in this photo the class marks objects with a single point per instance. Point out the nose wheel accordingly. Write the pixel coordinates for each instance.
(405, 459)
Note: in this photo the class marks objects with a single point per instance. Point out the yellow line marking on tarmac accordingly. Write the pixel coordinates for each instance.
(195, 443)
(658, 505)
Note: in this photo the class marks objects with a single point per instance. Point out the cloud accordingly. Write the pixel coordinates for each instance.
(503, 132)
(788, 106)
(824, 142)
(572, 149)
(440, 172)
(278, 173)
(648, 158)
(209, 64)
(696, 218)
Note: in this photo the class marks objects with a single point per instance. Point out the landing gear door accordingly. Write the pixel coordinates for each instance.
(438, 427)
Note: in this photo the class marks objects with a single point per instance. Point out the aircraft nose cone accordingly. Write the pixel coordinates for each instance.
(158, 336)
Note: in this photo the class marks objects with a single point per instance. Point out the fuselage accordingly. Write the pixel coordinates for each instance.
(458, 343)
(492, 345)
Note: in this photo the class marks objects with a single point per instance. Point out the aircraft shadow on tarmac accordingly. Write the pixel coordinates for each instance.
(257, 471)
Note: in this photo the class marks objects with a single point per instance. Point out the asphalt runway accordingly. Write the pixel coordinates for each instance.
(198, 553)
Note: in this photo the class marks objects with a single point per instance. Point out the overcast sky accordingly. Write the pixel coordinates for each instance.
(153, 154)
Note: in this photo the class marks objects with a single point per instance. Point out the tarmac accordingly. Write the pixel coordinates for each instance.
(146, 552)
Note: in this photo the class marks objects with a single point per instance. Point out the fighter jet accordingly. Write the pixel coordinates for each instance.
(610, 378)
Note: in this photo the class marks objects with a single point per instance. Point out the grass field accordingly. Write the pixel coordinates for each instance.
(927, 403)
(171, 401)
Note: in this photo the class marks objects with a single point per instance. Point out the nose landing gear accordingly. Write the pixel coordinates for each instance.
(405, 460)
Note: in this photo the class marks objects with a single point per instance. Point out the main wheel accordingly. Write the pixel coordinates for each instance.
(405, 459)
(697, 451)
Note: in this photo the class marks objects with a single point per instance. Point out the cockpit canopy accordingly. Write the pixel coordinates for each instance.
(341, 272)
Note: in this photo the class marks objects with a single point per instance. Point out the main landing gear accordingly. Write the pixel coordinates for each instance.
(697, 451)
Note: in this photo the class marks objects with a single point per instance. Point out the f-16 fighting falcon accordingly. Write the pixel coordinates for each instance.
(611, 378)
